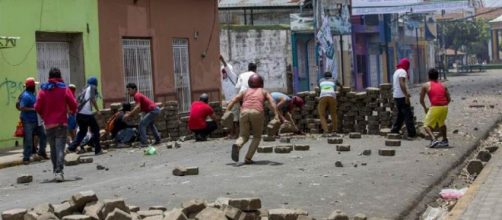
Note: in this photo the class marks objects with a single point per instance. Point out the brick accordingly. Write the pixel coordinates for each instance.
(474, 167)
(71, 159)
(335, 140)
(179, 171)
(77, 217)
(268, 138)
(338, 164)
(157, 207)
(393, 143)
(14, 214)
(86, 160)
(343, 147)
(304, 217)
(111, 204)
(25, 178)
(133, 208)
(193, 207)
(283, 149)
(492, 149)
(354, 135)
(147, 213)
(155, 217)
(285, 140)
(393, 136)
(285, 214)
(82, 198)
(253, 215)
(360, 216)
(32, 215)
(43, 208)
(484, 156)
(232, 213)
(210, 213)
(175, 214)
(387, 152)
(227, 120)
(304, 147)
(384, 131)
(265, 149)
(245, 204)
(366, 153)
(118, 214)
(338, 215)
(192, 171)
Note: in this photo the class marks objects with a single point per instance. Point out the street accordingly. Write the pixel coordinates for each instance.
(378, 186)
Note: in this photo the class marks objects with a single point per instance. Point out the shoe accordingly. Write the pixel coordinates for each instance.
(43, 156)
(248, 161)
(443, 143)
(434, 143)
(26, 162)
(235, 152)
(99, 153)
(156, 142)
(58, 177)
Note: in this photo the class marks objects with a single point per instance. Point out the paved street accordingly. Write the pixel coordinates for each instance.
(385, 187)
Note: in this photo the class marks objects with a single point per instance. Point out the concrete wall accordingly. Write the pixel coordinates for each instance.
(23, 18)
(270, 49)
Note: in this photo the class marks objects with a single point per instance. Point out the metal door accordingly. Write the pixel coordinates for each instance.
(312, 64)
(53, 54)
(138, 65)
(182, 73)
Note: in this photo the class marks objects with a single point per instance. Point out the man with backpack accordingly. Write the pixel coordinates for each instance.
(30, 122)
(120, 130)
(85, 116)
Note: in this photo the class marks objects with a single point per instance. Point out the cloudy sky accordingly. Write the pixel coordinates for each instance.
(493, 3)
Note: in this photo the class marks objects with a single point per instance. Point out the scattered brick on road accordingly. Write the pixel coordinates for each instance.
(71, 159)
(93, 209)
(118, 214)
(265, 149)
(366, 153)
(175, 214)
(284, 149)
(245, 204)
(343, 147)
(192, 207)
(394, 136)
(474, 167)
(14, 214)
(354, 135)
(82, 198)
(210, 213)
(285, 140)
(338, 164)
(338, 215)
(86, 160)
(335, 140)
(276, 214)
(77, 217)
(299, 147)
(393, 143)
(25, 178)
(360, 216)
(387, 152)
(147, 213)
(268, 138)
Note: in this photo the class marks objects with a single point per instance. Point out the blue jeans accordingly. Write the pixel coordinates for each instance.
(57, 140)
(126, 135)
(31, 129)
(148, 122)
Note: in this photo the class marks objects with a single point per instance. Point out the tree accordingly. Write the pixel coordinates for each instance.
(472, 35)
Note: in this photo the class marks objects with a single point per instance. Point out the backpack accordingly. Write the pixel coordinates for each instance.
(81, 99)
(110, 123)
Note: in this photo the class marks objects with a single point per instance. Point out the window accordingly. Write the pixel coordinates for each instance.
(182, 73)
(138, 65)
(53, 54)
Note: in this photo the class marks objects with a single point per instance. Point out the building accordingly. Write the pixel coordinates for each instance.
(169, 48)
(57, 33)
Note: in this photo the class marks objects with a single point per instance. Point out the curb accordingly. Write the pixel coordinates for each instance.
(8, 164)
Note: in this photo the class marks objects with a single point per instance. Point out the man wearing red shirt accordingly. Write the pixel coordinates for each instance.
(53, 103)
(150, 111)
(197, 123)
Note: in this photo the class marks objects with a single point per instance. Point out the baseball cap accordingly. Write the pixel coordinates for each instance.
(30, 82)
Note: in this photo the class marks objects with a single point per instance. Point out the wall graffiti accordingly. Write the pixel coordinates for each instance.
(11, 90)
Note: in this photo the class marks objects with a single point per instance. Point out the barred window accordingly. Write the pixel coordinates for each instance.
(138, 65)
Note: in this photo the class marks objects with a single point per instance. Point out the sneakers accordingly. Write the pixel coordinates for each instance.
(58, 177)
(443, 143)
(434, 143)
(235, 152)
(248, 161)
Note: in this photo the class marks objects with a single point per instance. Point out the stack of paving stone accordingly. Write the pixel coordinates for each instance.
(373, 106)
(183, 126)
(346, 100)
(218, 112)
(386, 116)
(169, 113)
(308, 120)
(361, 111)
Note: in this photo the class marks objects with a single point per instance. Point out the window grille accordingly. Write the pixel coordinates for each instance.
(138, 65)
(53, 54)
(182, 73)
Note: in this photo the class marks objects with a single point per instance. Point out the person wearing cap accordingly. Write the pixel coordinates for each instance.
(53, 103)
(30, 122)
(72, 118)
(85, 117)
(197, 121)
(327, 100)
(286, 105)
(402, 96)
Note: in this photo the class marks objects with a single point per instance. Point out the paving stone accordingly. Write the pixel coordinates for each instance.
(71, 159)
(32, 215)
(24, 178)
(250, 215)
(338, 164)
(394, 136)
(343, 147)
(147, 213)
(118, 214)
(210, 213)
(283, 149)
(354, 135)
(86, 160)
(192, 171)
(366, 152)
(492, 149)
(179, 171)
(338, 215)
(227, 120)
(157, 207)
(360, 216)
(63, 209)
(245, 204)
(232, 213)
(474, 167)
(77, 217)
(285, 140)
(393, 143)
(82, 198)
(111, 204)
(193, 207)
(100, 167)
(14, 214)
(265, 149)
(175, 214)
(304, 217)
(335, 140)
(155, 217)
(384, 131)
(133, 208)
(93, 209)
(285, 214)
(268, 138)
(302, 147)
(43, 208)
(387, 152)
(484, 156)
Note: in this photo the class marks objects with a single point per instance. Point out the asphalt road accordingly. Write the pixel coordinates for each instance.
(384, 187)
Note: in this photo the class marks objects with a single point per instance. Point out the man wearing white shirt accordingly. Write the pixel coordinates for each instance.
(228, 82)
(401, 97)
(242, 81)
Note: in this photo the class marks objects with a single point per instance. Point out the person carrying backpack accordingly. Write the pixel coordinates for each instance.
(85, 116)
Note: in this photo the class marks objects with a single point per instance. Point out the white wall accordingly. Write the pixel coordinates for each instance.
(269, 49)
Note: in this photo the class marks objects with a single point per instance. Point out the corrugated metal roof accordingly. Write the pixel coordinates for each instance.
(258, 3)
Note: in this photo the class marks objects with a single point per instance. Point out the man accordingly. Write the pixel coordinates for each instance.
(85, 117)
(30, 121)
(72, 118)
(53, 103)
(150, 111)
(327, 100)
(242, 82)
(197, 123)
(439, 98)
(228, 82)
(286, 105)
(401, 97)
(252, 116)
(122, 131)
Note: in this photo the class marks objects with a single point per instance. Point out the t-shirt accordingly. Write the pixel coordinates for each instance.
(120, 124)
(146, 104)
(27, 100)
(198, 114)
(327, 87)
(396, 88)
(90, 94)
(242, 82)
(277, 97)
(228, 84)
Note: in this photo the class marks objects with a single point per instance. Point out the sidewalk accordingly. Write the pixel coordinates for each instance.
(10, 158)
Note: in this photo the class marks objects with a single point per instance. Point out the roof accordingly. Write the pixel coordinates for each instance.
(498, 19)
(488, 13)
(258, 3)
(451, 52)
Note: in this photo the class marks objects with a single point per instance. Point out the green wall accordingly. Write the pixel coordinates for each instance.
(22, 18)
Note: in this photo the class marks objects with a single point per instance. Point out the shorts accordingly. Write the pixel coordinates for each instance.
(436, 116)
(72, 122)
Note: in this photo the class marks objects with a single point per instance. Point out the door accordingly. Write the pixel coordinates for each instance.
(312, 64)
(138, 65)
(53, 54)
(182, 73)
